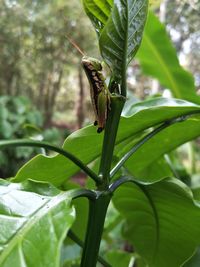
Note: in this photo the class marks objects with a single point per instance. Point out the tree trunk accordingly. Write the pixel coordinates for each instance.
(41, 91)
(50, 98)
(80, 101)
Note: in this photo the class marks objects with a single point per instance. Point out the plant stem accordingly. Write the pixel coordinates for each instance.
(78, 241)
(117, 103)
(119, 182)
(97, 214)
(68, 155)
(77, 193)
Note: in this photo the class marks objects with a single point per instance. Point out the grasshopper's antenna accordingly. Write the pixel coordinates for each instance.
(75, 45)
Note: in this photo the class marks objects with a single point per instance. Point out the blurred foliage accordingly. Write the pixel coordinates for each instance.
(36, 58)
(184, 28)
(158, 59)
(19, 119)
(38, 62)
(182, 24)
(15, 112)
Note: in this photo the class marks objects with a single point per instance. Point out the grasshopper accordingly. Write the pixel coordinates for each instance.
(99, 93)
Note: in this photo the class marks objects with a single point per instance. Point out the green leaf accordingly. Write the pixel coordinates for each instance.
(162, 221)
(157, 170)
(160, 144)
(119, 25)
(118, 258)
(194, 261)
(80, 225)
(158, 59)
(98, 12)
(34, 220)
(196, 192)
(86, 143)
(122, 34)
(6, 129)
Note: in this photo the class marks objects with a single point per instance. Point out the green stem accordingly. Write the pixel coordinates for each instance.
(82, 192)
(97, 214)
(75, 160)
(142, 142)
(78, 241)
(117, 103)
(119, 182)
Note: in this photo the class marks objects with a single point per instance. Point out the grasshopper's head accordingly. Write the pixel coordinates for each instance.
(92, 63)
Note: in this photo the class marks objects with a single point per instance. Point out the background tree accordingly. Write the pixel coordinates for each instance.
(37, 59)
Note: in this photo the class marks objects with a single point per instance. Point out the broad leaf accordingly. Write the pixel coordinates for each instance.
(157, 170)
(34, 220)
(86, 143)
(162, 221)
(158, 58)
(117, 258)
(81, 209)
(162, 143)
(194, 261)
(80, 225)
(98, 12)
(119, 25)
(122, 34)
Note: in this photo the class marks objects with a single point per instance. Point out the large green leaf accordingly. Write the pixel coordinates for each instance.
(117, 258)
(122, 34)
(158, 58)
(157, 170)
(98, 12)
(119, 25)
(34, 220)
(162, 143)
(162, 221)
(195, 260)
(86, 143)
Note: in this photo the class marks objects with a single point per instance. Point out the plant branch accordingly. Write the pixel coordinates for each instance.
(143, 141)
(117, 103)
(68, 155)
(78, 241)
(82, 192)
(119, 182)
(96, 219)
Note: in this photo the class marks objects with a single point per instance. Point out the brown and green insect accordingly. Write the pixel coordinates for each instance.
(99, 93)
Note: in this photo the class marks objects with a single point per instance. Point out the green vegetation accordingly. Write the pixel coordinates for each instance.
(138, 204)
